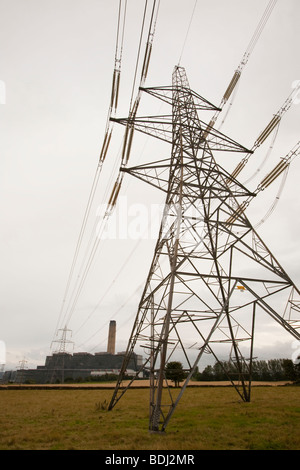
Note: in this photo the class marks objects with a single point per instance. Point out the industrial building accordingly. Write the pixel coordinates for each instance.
(61, 367)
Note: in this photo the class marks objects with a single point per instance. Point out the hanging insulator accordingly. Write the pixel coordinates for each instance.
(113, 89)
(129, 145)
(135, 107)
(237, 213)
(105, 146)
(146, 61)
(115, 197)
(209, 126)
(113, 193)
(104, 143)
(239, 168)
(117, 90)
(267, 131)
(279, 168)
(125, 143)
(231, 86)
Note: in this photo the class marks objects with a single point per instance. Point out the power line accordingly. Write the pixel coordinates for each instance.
(126, 144)
(237, 74)
(187, 33)
(107, 137)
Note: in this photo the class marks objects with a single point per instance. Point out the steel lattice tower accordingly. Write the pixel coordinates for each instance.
(206, 253)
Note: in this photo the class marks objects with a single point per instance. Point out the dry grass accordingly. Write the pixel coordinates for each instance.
(206, 418)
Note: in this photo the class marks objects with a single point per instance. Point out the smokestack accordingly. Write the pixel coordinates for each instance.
(111, 344)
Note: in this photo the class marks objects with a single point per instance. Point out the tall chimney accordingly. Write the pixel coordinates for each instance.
(111, 344)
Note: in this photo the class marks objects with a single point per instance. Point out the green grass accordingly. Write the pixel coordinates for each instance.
(206, 418)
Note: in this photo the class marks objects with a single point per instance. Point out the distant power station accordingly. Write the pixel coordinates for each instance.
(64, 366)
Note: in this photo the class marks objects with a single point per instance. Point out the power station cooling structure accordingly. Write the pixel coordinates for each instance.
(212, 277)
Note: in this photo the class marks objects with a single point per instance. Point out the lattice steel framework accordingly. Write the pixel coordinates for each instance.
(207, 252)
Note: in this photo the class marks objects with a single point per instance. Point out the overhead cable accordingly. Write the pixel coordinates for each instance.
(125, 153)
(106, 141)
(187, 33)
(273, 124)
(281, 167)
(237, 74)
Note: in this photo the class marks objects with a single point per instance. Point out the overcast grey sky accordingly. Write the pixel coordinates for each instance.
(56, 62)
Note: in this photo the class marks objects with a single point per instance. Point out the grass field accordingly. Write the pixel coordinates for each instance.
(211, 418)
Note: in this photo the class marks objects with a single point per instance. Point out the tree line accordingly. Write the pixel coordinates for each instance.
(270, 370)
(262, 370)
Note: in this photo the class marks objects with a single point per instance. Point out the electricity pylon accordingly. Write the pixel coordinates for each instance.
(21, 370)
(62, 341)
(206, 254)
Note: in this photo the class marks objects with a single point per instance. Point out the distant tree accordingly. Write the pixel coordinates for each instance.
(220, 369)
(175, 372)
(271, 370)
(292, 370)
(195, 374)
(261, 370)
(297, 371)
(276, 369)
(207, 374)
